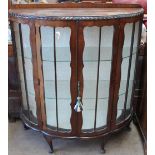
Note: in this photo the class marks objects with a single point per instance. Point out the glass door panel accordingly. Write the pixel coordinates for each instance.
(24, 55)
(132, 70)
(127, 70)
(124, 70)
(56, 69)
(20, 66)
(96, 73)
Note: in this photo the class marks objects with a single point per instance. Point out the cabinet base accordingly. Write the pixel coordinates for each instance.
(49, 135)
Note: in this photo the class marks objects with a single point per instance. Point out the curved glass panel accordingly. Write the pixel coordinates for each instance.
(20, 66)
(47, 42)
(57, 72)
(122, 90)
(24, 56)
(124, 70)
(96, 74)
(132, 70)
(122, 102)
(28, 68)
(120, 107)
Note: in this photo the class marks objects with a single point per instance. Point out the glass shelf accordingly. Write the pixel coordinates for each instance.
(46, 60)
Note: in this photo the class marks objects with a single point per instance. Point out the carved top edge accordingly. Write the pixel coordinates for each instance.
(68, 18)
(76, 14)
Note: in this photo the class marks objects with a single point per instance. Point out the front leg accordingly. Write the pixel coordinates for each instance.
(128, 127)
(49, 141)
(102, 147)
(25, 126)
(105, 139)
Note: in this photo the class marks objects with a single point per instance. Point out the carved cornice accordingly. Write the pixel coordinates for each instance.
(68, 18)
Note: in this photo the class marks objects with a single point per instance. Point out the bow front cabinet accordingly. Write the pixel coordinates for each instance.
(76, 63)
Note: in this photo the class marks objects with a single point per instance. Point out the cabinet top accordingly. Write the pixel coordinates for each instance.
(77, 11)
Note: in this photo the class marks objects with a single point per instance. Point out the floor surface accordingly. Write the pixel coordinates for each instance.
(29, 142)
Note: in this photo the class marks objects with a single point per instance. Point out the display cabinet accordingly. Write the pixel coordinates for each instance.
(77, 66)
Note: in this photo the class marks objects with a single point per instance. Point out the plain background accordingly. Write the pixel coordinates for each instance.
(4, 77)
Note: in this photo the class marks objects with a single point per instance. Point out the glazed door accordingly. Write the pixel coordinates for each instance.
(58, 77)
(47, 63)
(95, 42)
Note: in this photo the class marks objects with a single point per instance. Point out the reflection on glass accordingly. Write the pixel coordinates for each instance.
(90, 59)
(63, 73)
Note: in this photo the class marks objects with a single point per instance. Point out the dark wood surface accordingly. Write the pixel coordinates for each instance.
(140, 97)
(116, 70)
(14, 95)
(106, 11)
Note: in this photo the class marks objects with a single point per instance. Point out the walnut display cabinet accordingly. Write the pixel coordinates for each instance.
(76, 63)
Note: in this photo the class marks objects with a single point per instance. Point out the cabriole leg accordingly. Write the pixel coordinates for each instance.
(49, 141)
(102, 148)
(128, 127)
(103, 144)
(25, 126)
